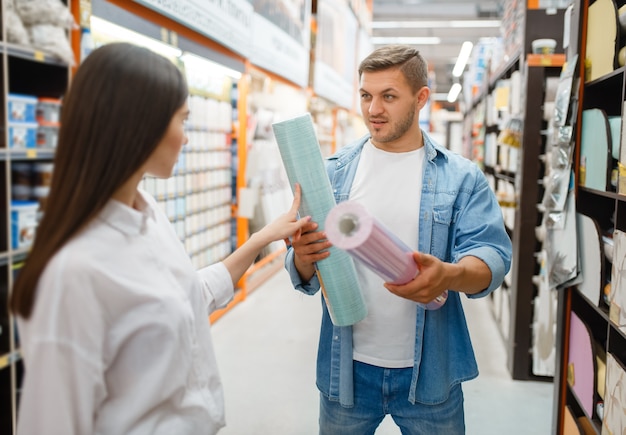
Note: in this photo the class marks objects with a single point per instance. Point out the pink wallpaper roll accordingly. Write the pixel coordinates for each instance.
(351, 228)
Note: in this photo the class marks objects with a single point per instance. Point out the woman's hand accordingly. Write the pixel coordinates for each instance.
(286, 225)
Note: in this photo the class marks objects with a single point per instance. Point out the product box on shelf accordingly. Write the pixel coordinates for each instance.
(48, 110)
(21, 180)
(23, 223)
(23, 134)
(47, 134)
(42, 182)
(21, 108)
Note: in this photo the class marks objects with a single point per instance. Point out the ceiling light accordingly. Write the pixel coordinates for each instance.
(461, 61)
(439, 96)
(207, 66)
(459, 24)
(455, 90)
(417, 40)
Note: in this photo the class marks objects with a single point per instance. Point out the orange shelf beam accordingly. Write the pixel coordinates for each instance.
(533, 4)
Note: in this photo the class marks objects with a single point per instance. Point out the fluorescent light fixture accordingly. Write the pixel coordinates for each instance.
(455, 90)
(201, 64)
(113, 32)
(459, 24)
(438, 96)
(417, 40)
(461, 61)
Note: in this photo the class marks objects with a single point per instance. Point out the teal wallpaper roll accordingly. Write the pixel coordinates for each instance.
(301, 155)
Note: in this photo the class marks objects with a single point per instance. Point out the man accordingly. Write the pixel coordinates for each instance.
(403, 360)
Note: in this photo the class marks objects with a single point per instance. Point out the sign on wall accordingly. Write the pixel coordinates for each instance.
(335, 53)
(281, 38)
(228, 22)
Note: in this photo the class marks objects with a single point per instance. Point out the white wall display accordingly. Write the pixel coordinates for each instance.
(364, 48)
(197, 197)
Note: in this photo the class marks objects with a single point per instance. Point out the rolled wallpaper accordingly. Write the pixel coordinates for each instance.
(350, 227)
(302, 158)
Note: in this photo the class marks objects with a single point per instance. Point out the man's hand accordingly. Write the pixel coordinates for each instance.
(431, 281)
(309, 247)
(470, 275)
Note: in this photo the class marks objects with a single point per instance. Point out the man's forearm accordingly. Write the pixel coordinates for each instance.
(470, 275)
(306, 271)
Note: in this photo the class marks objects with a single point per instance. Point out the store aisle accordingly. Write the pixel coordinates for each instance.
(266, 349)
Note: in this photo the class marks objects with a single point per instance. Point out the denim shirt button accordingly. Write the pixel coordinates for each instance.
(336, 337)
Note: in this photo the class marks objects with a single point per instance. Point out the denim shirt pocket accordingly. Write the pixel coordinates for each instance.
(444, 216)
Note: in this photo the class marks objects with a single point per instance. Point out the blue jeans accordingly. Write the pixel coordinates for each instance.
(380, 391)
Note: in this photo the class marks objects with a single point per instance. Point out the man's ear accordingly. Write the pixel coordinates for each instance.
(422, 96)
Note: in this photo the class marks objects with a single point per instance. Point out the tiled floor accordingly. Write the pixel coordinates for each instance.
(266, 348)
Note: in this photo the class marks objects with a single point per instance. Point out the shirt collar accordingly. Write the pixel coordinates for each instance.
(128, 220)
(432, 149)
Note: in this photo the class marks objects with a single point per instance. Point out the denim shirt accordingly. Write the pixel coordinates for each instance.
(459, 216)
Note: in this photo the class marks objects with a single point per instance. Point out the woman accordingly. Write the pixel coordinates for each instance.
(112, 316)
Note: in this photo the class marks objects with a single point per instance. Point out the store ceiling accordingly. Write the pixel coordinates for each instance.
(426, 14)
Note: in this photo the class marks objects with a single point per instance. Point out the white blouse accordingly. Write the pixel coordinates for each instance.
(119, 340)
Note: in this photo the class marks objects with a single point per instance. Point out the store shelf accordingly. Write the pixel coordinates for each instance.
(27, 154)
(37, 74)
(29, 53)
(516, 173)
(607, 208)
(513, 64)
(4, 258)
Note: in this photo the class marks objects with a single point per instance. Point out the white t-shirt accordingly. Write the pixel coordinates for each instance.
(119, 341)
(389, 185)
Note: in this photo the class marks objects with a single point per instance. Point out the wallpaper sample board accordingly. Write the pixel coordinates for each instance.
(544, 327)
(602, 38)
(615, 124)
(569, 423)
(591, 252)
(617, 295)
(595, 149)
(580, 363)
(301, 155)
(621, 185)
(614, 422)
(576, 426)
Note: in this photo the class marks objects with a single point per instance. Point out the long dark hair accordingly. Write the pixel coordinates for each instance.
(118, 108)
